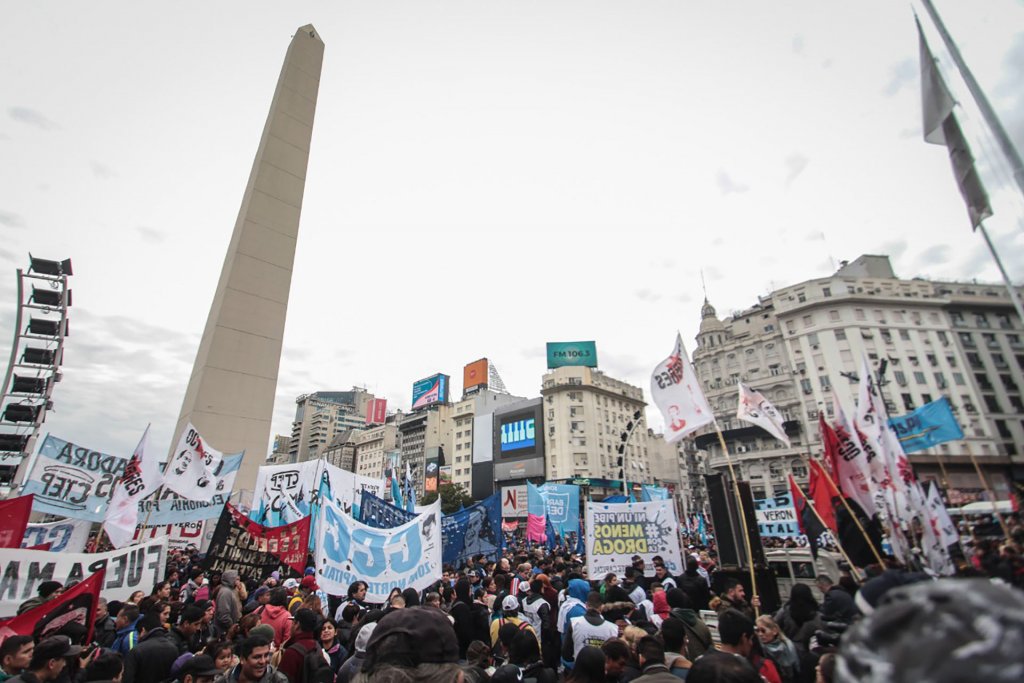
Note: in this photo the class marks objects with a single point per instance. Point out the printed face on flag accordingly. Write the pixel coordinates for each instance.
(196, 471)
(677, 393)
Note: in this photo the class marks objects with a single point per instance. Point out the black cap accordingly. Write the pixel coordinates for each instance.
(429, 634)
(306, 619)
(48, 588)
(200, 665)
(56, 647)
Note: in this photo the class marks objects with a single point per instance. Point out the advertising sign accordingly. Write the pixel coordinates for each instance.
(518, 434)
(431, 476)
(72, 481)
(618, 531)
(513, 501)
(376, 411)
(408, 556)
(137, 567)
(433, 389)
(68, 536)
(474, 375)
(572, 353)
(776, 516)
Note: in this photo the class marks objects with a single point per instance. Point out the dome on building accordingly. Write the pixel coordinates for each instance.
(709, 319)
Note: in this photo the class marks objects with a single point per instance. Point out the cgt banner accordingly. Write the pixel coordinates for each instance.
(137, 567)
(286, 493)
(408, 556)
(68, 536)
(776, 516)
(255, 550)
(73, 481)
(618, 531)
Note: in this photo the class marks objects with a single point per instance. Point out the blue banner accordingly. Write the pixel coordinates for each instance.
(475, 530)
(562, 505)
(649, 492)
(71, 480)
(929, 425)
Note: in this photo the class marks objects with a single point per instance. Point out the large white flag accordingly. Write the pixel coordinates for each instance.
(756, 409)
(141, 478)
(677, 393)
(196, 470)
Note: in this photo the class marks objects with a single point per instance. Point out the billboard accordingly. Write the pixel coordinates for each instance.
(430, 479)
(513, 501)
(433, 389)
(519, 432)
(474, 375)
(572, 353)
(376, 411)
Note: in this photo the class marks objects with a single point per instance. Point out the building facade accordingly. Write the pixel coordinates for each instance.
(464, 414)
(373, 445)
(422, 437)
(321, 416)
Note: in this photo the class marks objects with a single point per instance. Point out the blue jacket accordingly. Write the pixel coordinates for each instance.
(127, 638)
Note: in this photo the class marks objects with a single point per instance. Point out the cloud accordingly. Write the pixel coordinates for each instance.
(647, 295)
(11, 219)
(795, 165)
(101, 171)
(8, 255)
(683, 298)
(729, 186)
(901, 75)
(4, 136)
(151, 235)
(936, 255)
(31, 117)
(798, 44)
(894, 248)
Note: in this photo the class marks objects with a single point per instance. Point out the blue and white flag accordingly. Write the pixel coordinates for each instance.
(931, 424)
(475, 530)
(649, 492)
(562, 506)
(72, 481)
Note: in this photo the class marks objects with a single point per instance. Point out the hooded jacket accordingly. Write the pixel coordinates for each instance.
(229, 606)
(574, 604)
(279, 619)
(127, 638)
(698, 635)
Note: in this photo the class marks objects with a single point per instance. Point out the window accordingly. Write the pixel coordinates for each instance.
(940, 380)
(840, 335)
(858, 313)
(932, 360)
(905, 335)
(958, 319)
(805, 384)
(833, 315)
(966, 339)
(999, 360)
(980, 320)
(812, 338)
(1008, 382)
(992, 404)
(1003, 430)
(808, 321)
(982, 379)
(926, 398)
(886, 336)
(827, 292)
(901, 378)
(774, 369)
(958, 379)
(919, 378)
(790, 326)
(801, 297)
(825, 383)
(769, 328)
(908, 401)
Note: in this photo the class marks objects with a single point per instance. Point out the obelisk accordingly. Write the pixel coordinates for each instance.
(230, 395)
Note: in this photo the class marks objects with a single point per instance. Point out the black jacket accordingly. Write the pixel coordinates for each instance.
(180, 641)
(152, 658)
(839, 606)
(104, 632)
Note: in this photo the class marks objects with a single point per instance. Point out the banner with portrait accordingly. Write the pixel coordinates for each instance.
(137, 567)
(472, 531)
(286, 493)
(618, 531)
(408, 556)
(71, 480)
(197, 471)
(380, 514)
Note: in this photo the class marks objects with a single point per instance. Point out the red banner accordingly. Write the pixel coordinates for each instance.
(255, 550)
(13, 520)
(376, 411)
(74, 606)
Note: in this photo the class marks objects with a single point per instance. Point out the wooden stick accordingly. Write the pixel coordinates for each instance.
(743, 519)
(991, 497)
(853, 567)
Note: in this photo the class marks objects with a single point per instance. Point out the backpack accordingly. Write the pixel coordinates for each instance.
(315, 668)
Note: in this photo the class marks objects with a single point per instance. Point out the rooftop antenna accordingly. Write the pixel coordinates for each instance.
(703, 284)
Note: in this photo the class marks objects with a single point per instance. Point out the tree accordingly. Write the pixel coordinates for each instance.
(453, 497)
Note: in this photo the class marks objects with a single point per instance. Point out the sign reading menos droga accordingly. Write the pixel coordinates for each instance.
(572, 353)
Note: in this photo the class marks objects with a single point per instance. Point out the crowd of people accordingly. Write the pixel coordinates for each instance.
(533, 615)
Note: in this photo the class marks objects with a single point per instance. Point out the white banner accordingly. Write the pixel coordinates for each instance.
(141, 478)
(180, 536)
(346, 488)
(677, 393)
(197, 471)
(71, 480)
(68, 536)
(618, 531)
(408, 556)
(137, 567)
(285, 493)
(756, 409)
(513, 502)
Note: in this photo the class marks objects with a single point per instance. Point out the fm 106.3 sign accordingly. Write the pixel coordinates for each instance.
(582, 353)
(618, 531)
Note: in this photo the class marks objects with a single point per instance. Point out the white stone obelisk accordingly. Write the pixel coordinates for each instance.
(230, 395)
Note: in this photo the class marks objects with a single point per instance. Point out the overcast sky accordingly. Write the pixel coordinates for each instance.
(484, 177)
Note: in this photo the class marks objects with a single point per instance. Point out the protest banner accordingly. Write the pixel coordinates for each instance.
(179, 536)
(197, 471)
(67, 536)
(618, 531)
(472, 531)
(345, 488)
(255, 550)
(171, 508)
(776, 516)
(562, 505)
(408, 556)
(286, 493)
(381, 514)
(14, 514)
(71, 480)
(75, 606)
(137, 567)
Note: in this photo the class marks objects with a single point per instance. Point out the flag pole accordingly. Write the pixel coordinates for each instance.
(1010, 289)
(991, 496)
(849, 510)
(743, 517)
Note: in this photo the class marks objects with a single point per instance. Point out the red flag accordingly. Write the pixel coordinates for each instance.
(809, 524)
(75, 606)
(13, 520)
(822, 493)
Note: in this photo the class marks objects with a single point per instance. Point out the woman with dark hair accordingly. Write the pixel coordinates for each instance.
(799, 618)
(610, 580)
(105, 666)
(327, 636)
(412, 597)
(588, 667)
